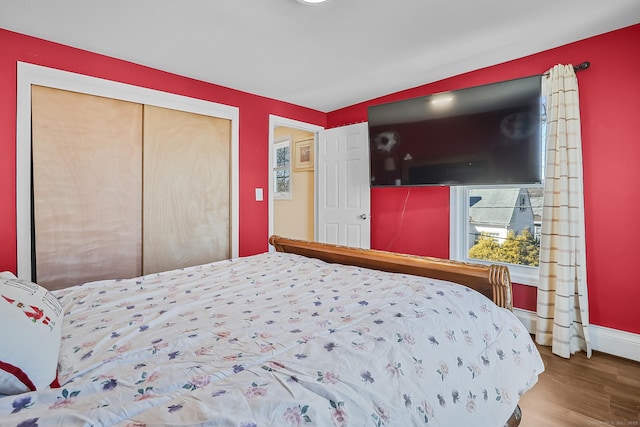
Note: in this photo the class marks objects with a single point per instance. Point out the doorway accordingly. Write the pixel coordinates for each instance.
(292, 207)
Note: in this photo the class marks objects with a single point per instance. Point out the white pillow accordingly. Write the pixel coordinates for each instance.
(30, 331)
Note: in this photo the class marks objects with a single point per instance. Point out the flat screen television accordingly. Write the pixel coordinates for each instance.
(488, 134)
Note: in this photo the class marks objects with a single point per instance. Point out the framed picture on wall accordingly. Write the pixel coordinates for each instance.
(303, 155)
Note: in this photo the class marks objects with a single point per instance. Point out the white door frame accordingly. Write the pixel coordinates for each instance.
(30, 74)
(274, 122)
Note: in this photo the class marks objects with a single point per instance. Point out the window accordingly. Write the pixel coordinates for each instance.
(498, 224)
(282, 169)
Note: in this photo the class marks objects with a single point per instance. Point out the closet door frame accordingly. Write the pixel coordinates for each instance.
(30, 74)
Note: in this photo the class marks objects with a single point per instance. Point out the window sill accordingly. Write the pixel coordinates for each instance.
(521, 275)
(527, 279)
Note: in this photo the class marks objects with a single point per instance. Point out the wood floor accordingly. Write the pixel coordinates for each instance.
(601, 391)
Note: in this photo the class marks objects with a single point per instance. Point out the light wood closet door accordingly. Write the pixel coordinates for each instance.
(186, 217)
(87, 169)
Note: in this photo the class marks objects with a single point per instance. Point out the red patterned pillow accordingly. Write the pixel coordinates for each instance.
(31, 319)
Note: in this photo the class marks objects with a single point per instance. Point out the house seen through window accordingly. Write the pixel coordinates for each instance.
(498, 224)
(504, 224)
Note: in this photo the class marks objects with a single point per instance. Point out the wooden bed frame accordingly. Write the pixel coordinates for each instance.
(493, 280)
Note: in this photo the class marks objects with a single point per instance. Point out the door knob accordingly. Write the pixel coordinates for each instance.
(363, 216)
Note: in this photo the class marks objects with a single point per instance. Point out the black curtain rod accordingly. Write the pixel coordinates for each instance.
(583, 66)
(577, 68)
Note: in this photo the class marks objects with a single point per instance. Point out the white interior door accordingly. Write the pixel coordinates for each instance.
(343, 186)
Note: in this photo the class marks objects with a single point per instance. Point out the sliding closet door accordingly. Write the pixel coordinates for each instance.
(186, 218)
(87, 159)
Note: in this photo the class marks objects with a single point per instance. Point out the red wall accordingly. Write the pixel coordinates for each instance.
(254, 127)
(402, 220)
(417, 220)
(410, 220)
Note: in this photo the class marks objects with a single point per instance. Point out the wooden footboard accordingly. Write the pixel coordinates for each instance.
(515, 419)
(491, 280)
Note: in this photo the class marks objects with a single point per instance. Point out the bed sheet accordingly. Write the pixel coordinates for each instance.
(281, 340)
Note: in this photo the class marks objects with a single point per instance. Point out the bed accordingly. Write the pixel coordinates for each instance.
(309, 335)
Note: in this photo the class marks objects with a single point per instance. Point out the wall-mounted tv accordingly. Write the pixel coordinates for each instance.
(488, 134)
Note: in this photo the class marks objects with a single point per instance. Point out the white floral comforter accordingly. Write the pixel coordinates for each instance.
(281, 340)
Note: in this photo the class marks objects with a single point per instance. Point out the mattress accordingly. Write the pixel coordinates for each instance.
(278, 339)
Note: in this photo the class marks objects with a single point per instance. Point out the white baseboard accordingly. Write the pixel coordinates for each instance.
(606, 340)
(528, 319)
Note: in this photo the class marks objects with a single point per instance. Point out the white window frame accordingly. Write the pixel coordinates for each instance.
(281, 143)
(458, 232)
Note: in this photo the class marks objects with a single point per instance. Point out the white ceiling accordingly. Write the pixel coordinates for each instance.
(323, 56)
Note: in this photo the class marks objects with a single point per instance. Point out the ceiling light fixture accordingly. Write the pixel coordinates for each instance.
(311, 1)
(443, 98)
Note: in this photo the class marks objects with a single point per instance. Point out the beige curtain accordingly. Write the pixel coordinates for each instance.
(562, 312)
